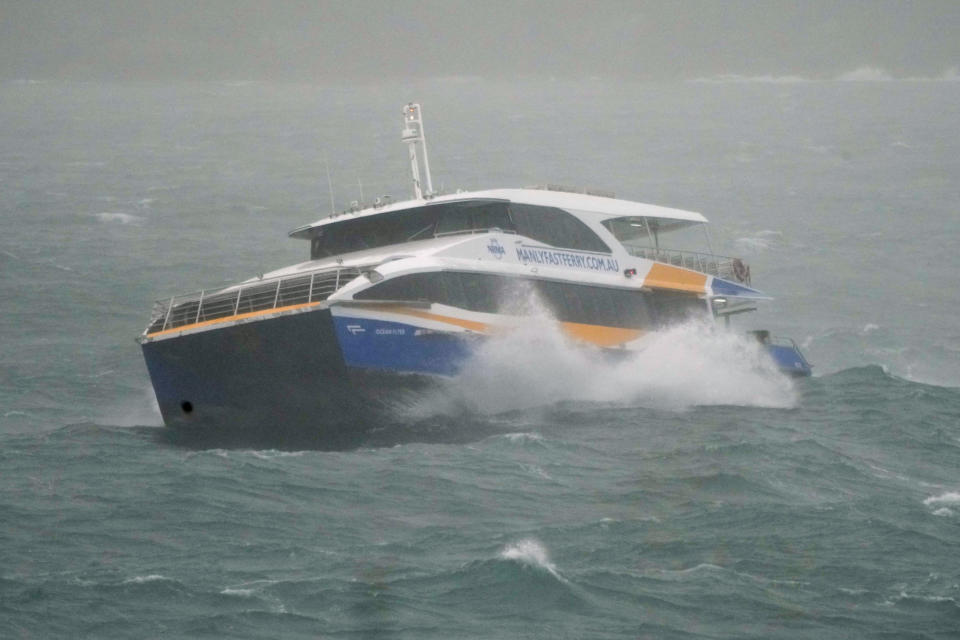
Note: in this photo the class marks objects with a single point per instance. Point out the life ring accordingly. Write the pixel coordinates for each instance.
(740, 270)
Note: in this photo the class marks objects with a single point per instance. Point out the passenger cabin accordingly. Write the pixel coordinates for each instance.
(579, 222)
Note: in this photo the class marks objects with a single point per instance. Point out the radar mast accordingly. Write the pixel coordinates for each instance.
(412, 134)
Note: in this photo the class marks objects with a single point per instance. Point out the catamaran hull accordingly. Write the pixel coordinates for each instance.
(272, 381)
(321, 377)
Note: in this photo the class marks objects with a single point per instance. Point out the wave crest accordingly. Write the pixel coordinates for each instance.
(530, 552)
(118, 217)
(950, 497)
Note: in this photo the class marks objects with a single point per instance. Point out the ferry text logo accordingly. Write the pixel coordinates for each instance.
(536, 255)
(496, 249)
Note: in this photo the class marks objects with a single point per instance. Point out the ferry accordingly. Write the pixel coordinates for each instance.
(396, 294)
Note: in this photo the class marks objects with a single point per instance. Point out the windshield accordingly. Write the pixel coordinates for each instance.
(549, 225)
(659, 234)
(407, 225)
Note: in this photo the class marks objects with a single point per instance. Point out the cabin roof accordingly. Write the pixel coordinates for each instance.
(600, 206)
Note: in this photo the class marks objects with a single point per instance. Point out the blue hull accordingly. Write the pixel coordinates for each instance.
(400, 348)
(790, 360)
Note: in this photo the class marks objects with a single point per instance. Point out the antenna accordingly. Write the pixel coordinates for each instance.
(412, 134)
(326, 164)
(360, 182)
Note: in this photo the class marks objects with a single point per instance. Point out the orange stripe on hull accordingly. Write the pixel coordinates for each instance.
(665, 276)
(594, 334)
(599, 335)
(480, 327)
(241, 316)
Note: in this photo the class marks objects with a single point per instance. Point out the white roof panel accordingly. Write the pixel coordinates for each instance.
(600, 206)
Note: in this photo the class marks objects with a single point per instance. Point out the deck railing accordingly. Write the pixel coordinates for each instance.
(725, 267)
(262, 295)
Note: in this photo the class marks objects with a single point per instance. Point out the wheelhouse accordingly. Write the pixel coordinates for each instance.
(549, 225)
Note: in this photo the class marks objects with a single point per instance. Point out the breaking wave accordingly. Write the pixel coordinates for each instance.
(733, 78)
(153, 577)
(532, 553)
(877, 74)
(759, 241)
(121, 218)
(537, 365)
(860, 74)
(865, 74)
(950, 497)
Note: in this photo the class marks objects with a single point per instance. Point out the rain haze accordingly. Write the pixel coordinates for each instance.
(504, 403)
(367, 41)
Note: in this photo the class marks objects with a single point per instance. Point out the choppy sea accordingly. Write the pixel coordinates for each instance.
(687, 494)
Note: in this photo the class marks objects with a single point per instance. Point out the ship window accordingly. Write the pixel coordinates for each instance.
(673, 307)
(452, 291)
(491, 216)
(592, 307)
(398, 227)
(616, 307)
(596, 305)
(481, 291)
(572, 304)
(415, 286)
(551, 295)
(555, 227)
(659, 233)
(548, 225)
(567, 302)
(369, 233)
(471, 216)
(636, 305)
(473, 291)
(455, 220)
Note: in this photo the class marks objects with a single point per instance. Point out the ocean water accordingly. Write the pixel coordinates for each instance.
(689, 493)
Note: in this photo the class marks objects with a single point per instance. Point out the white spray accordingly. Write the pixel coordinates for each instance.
(687, 365)
(535, 365)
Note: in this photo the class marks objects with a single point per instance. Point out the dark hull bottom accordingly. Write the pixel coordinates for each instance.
(276, 383)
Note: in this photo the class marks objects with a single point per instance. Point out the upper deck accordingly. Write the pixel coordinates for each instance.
(556, 218)
(585, 204)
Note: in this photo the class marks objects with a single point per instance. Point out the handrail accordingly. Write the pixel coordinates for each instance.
(260, 295)
(726, 267)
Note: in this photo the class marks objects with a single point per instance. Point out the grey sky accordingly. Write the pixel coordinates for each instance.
(367, 40)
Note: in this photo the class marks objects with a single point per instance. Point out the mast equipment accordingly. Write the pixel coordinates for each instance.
(412, 134)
